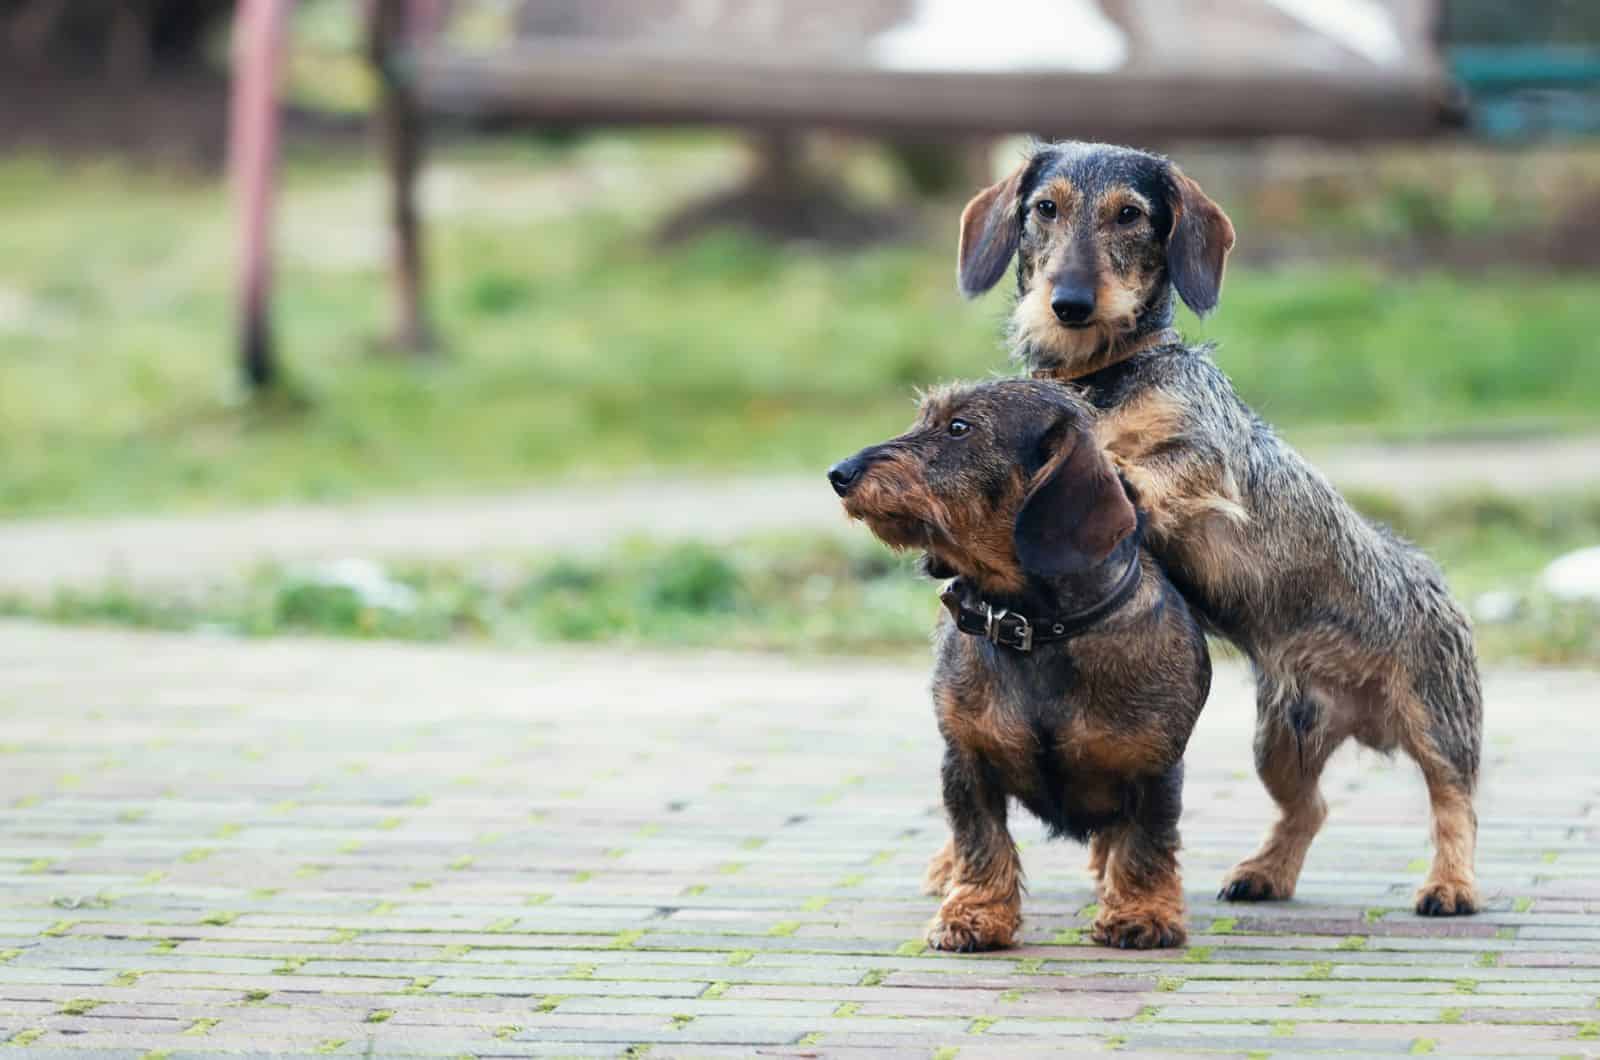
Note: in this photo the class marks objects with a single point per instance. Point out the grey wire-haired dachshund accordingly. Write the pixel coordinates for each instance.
(1351, 630)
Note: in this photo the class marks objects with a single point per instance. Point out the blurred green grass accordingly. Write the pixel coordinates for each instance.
(577, 346)
(803, 593)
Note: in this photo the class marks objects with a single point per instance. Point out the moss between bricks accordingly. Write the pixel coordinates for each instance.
(79, 1006)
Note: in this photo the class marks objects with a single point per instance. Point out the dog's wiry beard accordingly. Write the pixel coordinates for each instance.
(900, 532)
(894, 502)
(1048, 346)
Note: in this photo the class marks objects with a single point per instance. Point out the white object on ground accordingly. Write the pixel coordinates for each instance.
(1496, 605)
(1574, 576)
(366, 579)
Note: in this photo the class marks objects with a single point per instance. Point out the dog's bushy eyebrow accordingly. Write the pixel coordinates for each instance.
(941, 400)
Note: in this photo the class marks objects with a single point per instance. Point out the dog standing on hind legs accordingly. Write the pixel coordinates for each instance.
(1351, 631)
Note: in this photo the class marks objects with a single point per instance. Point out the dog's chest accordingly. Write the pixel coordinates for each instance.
(1051, 744)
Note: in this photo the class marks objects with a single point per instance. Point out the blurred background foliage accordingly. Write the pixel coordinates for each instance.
(1363, 302)
(1378, 292)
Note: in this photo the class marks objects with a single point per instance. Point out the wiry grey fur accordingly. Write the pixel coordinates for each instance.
(1351, 630)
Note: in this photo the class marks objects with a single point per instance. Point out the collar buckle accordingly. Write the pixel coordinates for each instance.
(1017, 635)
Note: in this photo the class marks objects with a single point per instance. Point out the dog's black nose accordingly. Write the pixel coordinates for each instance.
(844, 474)
(1072, 305)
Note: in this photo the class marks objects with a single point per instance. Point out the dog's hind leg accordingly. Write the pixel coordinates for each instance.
(1294, 739)
(1445, 737)
(1451, 887)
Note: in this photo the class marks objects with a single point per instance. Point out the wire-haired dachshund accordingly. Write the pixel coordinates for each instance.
(1069, 672)
(1351, 630)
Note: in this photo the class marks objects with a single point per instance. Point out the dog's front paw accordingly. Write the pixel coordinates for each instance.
(1447, 898)
(1253, 883)
(1150, 928)
(965, 923)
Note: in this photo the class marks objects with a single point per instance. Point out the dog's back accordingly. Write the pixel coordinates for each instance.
(1272, 556)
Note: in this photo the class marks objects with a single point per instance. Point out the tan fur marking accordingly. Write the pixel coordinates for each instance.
(1136, 912)
(1099, 748)
(1451, 885)
(1075, 352)
(1099, 852)
(941, 870)
(894, 501)
(983, 913)
(1136, 433)
(1197, 510)
(1290, 774)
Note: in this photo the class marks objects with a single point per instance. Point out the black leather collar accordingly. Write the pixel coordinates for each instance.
(1008, 629)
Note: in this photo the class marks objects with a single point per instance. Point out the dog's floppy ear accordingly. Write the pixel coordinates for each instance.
(1076, 513)
(990, 232)
(1197, 250)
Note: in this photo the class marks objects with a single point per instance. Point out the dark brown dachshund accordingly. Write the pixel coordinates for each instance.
(1352, 630)
(1069, 673)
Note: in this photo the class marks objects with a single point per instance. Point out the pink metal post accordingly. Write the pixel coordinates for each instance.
(258, 45)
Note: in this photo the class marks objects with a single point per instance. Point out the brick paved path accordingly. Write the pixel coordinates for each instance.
(298, 847)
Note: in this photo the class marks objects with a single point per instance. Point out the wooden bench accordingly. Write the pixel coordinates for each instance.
(1136, 71)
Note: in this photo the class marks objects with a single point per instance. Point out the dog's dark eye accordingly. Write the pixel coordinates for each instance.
(1046, 208)
(1129, 214)
(959, 427)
